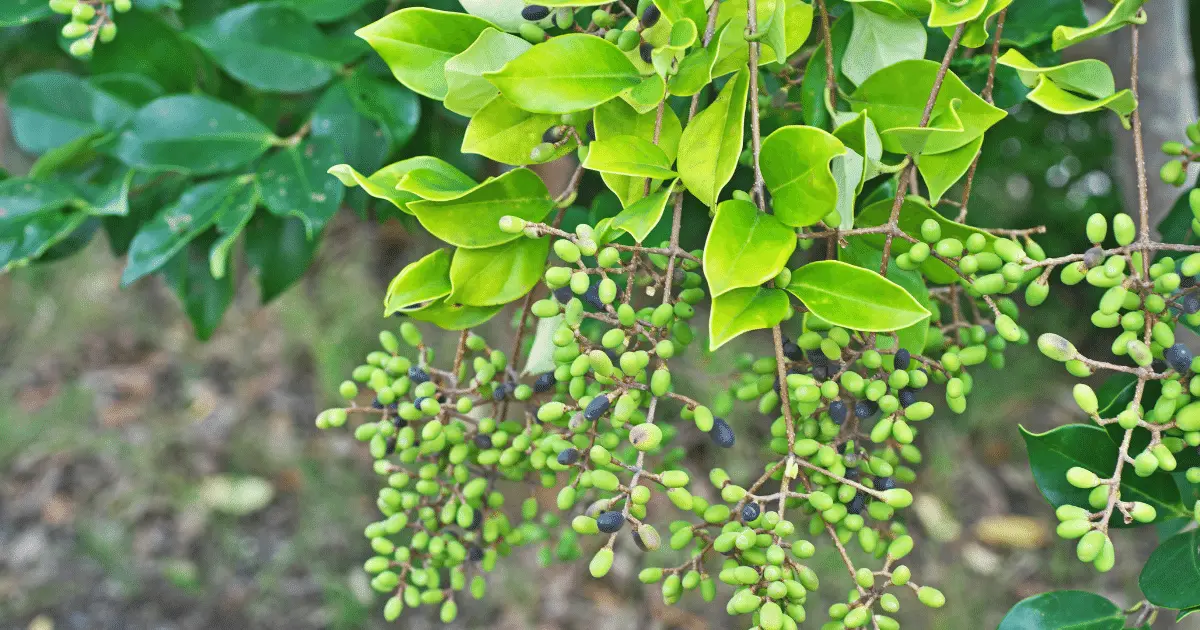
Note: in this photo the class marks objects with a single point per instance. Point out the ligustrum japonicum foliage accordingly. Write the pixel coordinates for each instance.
(824, 238)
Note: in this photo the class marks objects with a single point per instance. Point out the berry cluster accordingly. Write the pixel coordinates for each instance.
(91, 21)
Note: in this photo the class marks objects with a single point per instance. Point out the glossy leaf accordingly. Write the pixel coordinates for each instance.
(419, 283)
(362, 141)
(1029, 23)
(273, 47)
(745, 247)
(940, 171)
(855, 298)
(294, 181)
(913, 212)
(472, 220)
(1052, 453)
(175, 226)
(505, 14)
(566, 74)
(618, 118)
(795, 167)
(194, 134)
(394, 108)
(1171, 576)
(858, 253)
(417, 42)
(382, 183)
(1059, 610)
(507, 134)
(205, 298)
(742, 310)
(628, 155)
(976, 33)
(436, 184)
(454, 316)
(281, 249)
(643, 215)
(497, 275)
(229, 226)
(1123, 12)
(22, 198)
(711, 143)
(1080, 86)
(695, 69)
(878, 41)
(27, 237)
(22, 12)
(813, 97)
(326, 10)
(895, 99)
(467, 90)
(955, 12)
(734, 52)
(43, 118)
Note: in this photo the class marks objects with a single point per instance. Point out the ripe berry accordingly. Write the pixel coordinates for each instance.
(903, 358)
(792, 351)
(837, 412)
(884, 483)
(610, 522)
(475, 554)
(591, 297)
(857, 504)
(483, 441)
(535, 12)
(865, 409)
(553, 134)
(568, 457)
(596, 408)
(417, 375)
(591, 130)
(1178, 357)
(907, 396)
(721, 433)
(544, 382)
(751, 512)
(644, 50)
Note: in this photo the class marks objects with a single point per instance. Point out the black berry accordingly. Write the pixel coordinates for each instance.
(1178, 357)
(568, 457)
(483, 441)
(535, 12)
(721, 433)
(884, 483)
(865, 409)
(837, 412)
(417, 375)
(857, 504)
(591, 297)
(591, 129)
(792, 351)
(596, 408)
(750, 512)
(544, 382)
(563, 295)
(475, 554)
(553, 134)
(610, 522)
(907, 396)
(903, 358)
(644, 50)
(650, 16)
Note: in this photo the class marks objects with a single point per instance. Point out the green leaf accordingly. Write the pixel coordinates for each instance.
(273, 47)
(734, 52)
(151, 47)
(643, 215)
(382, 183)
(941, 170)
(1052, 453)
(679, 10)
(395, 108)
(472, 220)
(497, 275)
(695, 69)
(862, 140)
(813, 98)
(505, 14)
(745, 247)
(160, 239)
(454, 316)
(1030, 23)
(541, 352)
(976, 34)
(795, 167)
(436, 184)
(858, 253)
(1080, 86)
(1171, 574)
(72, 156)
(1060, 610)
(418, 284)
(711, 143)
(1123, 12)
(895, 99)
(294, 181)
(205, 298)
(417, 42)
(628, 155)
(43, 118)
(362, 141)
(229, 227)
(22, 12)
(507, 134)
(742, 310)
(773, 32)
(647, 94)
(467, 90)
(566, 74)
(617, 118)
(326, 10)
(913, 212)
(194, 134)
(280, 249)
(855, 298)
(23, 198)
(33, 218)
(955, 12)
(878, 41)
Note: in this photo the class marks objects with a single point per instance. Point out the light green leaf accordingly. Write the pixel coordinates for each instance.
(941, 170)
(680, 10)
(505, 14)
(566, 74)
(646, 95)
(683, 34)
(417, 42)
(436, 184)
(1071, 88)
(847, 170)
(193, 134)
(618, 118)
(773, 32)
(976, 35)
(955, 12)
(878, 41)
(1123, 12)
(734, 53)
(497, 275)
(272, 47)
(855, 298)
(472, 220)
(913, 212)
(382, 184)
(643, 215)
(418, 284)
(628, 155)
(507, 134)
(712, 142)
(859, 135)
(795, 167)
(742, 310)
(746, 247)
(454, 316)
(695, 69)
(467, 90)
(541, 352)
(895, 99)
(294, 182)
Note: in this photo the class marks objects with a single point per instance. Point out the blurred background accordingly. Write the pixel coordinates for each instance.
(150, 480)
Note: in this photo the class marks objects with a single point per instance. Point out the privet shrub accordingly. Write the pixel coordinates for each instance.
(818, 146)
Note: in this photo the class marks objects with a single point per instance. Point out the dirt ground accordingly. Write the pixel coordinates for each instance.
(151, 481)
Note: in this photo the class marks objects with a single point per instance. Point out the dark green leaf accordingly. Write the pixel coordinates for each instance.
(193, 134)
(326, 10)
(362, 141)
(913, 212)
(205, 298)
(1029, 23)
(150, 47)
(394, 107)
(1063, 610)
(22, 12)
(45, 117)
(1171, 577)
(294, 181)
(280, 249)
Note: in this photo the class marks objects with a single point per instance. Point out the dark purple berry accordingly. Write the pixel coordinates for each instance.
(1178, 357)
(750, 512)
(903, 358)
(544, 382)
(483, 441)
(563, 295)
(591, 297)
(792, 351)
(553, 134)
(852, 474)
(865, 409)
(535, 12)
(721, 433)
(417, 375)
(884, 483)
(391, 445)
(596, 408)
(644, 50)
(568, 457)
(610, 522)
(816, 357)
(591, 130)
(475, 553)
(476, 519)
(907, 397)
(650, 16)
(857, 504)
(837, 412)
(1093, 257)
